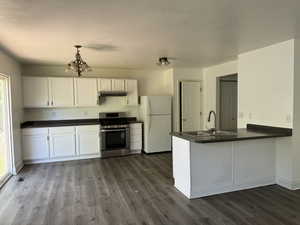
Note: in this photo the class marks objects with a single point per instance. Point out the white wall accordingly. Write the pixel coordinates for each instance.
(265, 86)
(210, 75)
(267, 95)
(112, 104)
(294, 141)
(11, 68)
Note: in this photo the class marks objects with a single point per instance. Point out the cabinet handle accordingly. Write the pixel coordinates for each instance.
(48, 103)
(52, 102)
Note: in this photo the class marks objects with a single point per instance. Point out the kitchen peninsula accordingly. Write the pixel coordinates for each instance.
(205, 164)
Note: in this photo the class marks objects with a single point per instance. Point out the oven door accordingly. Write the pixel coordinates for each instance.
(114, 139)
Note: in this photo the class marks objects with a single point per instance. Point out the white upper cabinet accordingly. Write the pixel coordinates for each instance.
(53, 92)
(61, 91)
(86, 92)
(48, 92)
(36, 92)
(104, 84)
(131, 87)
(118, 85)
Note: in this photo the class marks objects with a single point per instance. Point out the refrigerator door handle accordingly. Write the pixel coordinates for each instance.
(149, 105)
(149, 122)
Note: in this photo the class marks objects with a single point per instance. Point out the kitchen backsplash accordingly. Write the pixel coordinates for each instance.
(112, 104)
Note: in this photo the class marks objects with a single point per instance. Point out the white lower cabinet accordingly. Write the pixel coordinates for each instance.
(136, 143)
(88, 140)
(35, 144)
(62, 142)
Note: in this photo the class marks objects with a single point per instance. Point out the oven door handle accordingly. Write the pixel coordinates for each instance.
(112, 130)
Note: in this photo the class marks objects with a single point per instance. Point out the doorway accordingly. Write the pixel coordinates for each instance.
(5, 131)
(227, 108)
(190, 106)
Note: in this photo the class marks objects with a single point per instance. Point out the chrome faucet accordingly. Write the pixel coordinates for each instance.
(213, 130)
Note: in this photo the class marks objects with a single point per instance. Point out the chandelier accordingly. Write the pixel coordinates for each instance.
(78, 65)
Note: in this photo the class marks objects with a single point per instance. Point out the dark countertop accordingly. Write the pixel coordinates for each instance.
(62, 123)
(252, 131)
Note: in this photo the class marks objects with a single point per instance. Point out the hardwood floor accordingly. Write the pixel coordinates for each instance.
(135, 190)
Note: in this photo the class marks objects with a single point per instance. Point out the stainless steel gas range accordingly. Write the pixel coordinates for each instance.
(115, 134)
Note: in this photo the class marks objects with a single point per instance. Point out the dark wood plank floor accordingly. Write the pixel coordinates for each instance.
(135, 190)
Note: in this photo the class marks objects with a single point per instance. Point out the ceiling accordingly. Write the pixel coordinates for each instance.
(134, 33)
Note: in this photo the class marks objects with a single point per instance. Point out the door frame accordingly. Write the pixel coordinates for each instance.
(218, 97)
(179, 101)
(9, 129)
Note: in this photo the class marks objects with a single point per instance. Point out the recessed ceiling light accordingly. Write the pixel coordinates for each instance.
(163, 61)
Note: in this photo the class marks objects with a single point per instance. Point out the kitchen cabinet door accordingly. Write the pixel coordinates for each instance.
(131, 87)
(62, 142)
(136, 138)
(86, 92)
(35, 92)
(62, 91)
(104, 84)
(88, 140)
(118, 85)
(35, 144)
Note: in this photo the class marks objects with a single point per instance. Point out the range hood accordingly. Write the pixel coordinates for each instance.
(112, 93)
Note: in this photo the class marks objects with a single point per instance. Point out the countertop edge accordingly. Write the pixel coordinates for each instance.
(63, 123)
(262, 132)
(229, 139)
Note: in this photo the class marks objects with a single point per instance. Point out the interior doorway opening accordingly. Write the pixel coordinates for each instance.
(227, 100)
(5, 131)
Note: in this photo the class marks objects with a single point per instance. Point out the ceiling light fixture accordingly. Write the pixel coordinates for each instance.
(163, 61)
(78, 65)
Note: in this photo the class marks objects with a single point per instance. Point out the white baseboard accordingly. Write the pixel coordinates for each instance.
(230, 188)
(28, 162)
(289, 184)
(18, 167)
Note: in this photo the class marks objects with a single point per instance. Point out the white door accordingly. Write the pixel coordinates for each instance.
(158, 130)
(35, 144)
(190, 106)
(159, 105)
(131, 87)
(36, 92)
(88, 140)
(104, 84)
(62, 142)
(62, 92)
(118, 85)
(86, 91)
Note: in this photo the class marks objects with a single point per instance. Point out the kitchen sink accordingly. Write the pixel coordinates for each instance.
(208, 133)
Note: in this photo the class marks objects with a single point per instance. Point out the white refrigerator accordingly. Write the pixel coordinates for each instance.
(156, 113)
